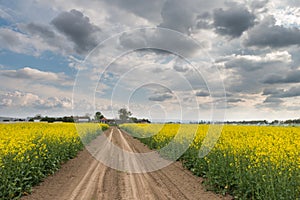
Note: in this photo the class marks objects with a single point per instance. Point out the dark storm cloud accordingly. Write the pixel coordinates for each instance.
(232, 22)
(291, 77)
(272, 91)
(177, 16)
(292, 92)
(77, 27)
(202, 93)
(234, 100)
(160, 97)
(267, 34)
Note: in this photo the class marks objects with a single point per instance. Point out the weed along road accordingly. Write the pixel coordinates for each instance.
(84, 177)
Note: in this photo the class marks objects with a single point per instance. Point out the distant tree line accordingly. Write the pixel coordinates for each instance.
(136, 120)
(274, 122)
(248, 122)
(290, 121)
(53, 119)
(124, 117)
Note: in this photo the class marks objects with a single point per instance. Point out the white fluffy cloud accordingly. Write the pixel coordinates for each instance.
(23, 99)
(37, 76)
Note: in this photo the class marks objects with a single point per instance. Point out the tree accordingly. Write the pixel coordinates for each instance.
(98, 116)
(124, 115)
(38, 116)
(134, 119)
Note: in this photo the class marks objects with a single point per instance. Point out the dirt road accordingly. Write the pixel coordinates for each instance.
(84, 177)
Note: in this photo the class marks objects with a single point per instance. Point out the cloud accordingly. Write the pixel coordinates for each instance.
(180, 68)
(290, 77)
(275, 95)
(177, 17)
(220, 104)
(292, 92)
(35, 74)
(40, 29)
(234, 100)
(160, 41)
(18, 98)
(48, 35)
(189, 17)
(159, 93)
(202, 93)
(271, 103)
(5, 102)
(267, 34)
(78, 28)
(160, 97)
(4, 13)
(21, 43)
(273, 100)
(181, 65)
(53, 102)
(259, 4)
(149, 10)
(27, 99)
(272, 91)
(232, 22)
(255, 62)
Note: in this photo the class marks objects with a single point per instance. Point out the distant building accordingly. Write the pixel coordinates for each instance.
(79, 119)
(103, 120)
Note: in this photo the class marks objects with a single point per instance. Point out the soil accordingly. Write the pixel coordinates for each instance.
(84, 177)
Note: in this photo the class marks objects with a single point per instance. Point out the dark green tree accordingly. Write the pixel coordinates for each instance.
(134, 119)
(98, 116)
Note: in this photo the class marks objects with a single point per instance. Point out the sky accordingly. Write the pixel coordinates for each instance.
(162, 59)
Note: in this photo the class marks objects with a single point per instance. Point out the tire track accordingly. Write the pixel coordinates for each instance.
(169, 194)
(150, 177)
(88, 183)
